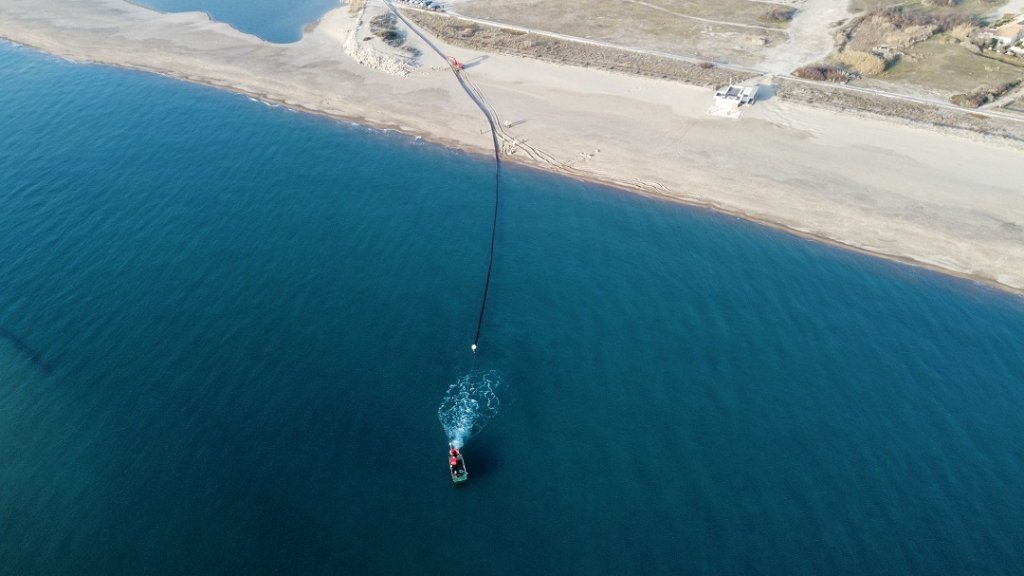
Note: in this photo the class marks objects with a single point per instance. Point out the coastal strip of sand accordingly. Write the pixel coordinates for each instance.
(940, 200)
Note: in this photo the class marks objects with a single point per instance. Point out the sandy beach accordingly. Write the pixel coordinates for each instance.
(940, 200)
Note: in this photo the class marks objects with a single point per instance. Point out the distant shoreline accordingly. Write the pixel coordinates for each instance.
(789, 171)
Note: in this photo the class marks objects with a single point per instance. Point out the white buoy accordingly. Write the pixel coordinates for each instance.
(473, 348)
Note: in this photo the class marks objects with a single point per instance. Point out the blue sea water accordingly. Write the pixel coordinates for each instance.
(228, 328)
(276, 21)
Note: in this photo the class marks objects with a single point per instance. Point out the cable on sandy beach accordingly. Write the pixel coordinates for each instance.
(497, 163)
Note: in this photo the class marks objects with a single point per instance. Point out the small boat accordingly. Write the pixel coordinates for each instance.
(457, 465)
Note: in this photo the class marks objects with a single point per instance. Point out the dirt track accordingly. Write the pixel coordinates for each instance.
(473, 35)
(823, 95)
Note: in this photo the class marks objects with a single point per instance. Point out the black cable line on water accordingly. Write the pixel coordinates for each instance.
(497, 196)
(497, 165)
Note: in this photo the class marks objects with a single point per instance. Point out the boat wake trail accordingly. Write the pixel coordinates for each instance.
(469, 404)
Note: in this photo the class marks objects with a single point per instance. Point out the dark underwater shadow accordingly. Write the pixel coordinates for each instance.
(483, 458)
(25, 350)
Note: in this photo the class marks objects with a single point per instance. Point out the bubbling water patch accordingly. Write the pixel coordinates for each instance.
(470, 402)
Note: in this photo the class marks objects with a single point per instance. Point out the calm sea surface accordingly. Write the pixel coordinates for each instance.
(227, 329)
(280, 21)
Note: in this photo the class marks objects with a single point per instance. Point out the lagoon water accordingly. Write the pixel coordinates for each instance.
(228, 327)
(273, 20)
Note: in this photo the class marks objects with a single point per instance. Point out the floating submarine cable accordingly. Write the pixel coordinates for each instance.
(494, 233)
(457, 68)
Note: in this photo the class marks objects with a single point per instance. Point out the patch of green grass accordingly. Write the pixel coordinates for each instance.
(941, 64)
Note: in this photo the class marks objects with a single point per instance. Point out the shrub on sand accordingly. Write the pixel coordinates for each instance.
(779, 14)
(822, 72)
(865, 63)
(384, 27)
(982, 95)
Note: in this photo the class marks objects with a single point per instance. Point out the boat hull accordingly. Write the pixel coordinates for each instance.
(458, 470)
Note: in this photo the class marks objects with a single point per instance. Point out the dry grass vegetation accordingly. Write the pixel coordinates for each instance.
(889, 30)
(778, 15)
(963, 6)
(748, 12)
(460, 32)
(983, 95)
(870, 43)
(947, 66)
(738, 33)
(384, 26)
(834, 97)
(928, 45)
(822, 73)
(857, 6)
(863, 63)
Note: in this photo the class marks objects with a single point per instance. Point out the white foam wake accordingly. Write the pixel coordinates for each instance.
(471, 401)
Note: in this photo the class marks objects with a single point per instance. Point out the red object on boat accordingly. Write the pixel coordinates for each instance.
(457, 466)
